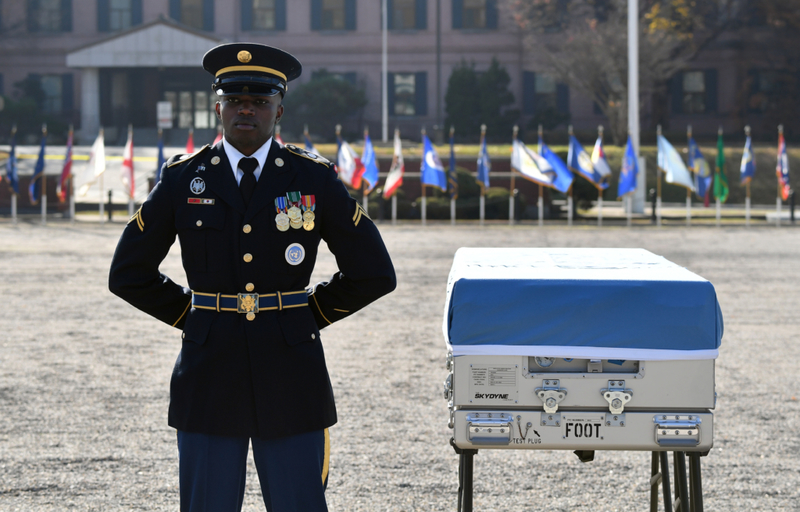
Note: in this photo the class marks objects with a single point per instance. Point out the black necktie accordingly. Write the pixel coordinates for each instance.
(248, 183)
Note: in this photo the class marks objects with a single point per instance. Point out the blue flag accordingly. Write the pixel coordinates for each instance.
(35, 187)
(160, 158)
(563, 178)
(702, 172)
(431, 168)
(370, 164)
(579, 160)
(630, 169)
(748, 168)
(452, 175)
(11, 164)
(484, 165)
(310, 145)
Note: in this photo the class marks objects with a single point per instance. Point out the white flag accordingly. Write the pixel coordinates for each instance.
(97, 164)
(395, 177)
(531, 165)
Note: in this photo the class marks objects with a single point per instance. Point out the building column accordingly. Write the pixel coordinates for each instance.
(90, 104)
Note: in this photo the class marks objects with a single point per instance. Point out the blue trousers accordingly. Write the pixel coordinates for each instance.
(293, 471)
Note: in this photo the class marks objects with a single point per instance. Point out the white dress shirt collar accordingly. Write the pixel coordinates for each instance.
(234, 155)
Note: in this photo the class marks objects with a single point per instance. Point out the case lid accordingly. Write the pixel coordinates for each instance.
(588, 303)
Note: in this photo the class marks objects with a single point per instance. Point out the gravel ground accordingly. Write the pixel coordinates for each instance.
(84, 381)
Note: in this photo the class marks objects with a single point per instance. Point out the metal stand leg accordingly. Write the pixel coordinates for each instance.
(659, 474)
(465, 466)
(681, 491)
(666, 492)
(695, 482)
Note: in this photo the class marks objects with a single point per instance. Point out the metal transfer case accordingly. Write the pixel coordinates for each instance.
(579, 349)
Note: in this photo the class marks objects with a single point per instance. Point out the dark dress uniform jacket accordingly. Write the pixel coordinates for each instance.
(264, 377)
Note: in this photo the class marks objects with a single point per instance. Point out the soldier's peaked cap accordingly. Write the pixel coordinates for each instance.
(250, 68)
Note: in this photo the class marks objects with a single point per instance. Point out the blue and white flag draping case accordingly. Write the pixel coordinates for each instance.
(563, 178)
(701, 169)
(11, 166)
(431, 168)
(452, 174)
(670, 161)
(748, 167)
(484, 165)
(630, 169)
(581, 303)
(370, 165)
(35, 187)
(531, 165)
(579, 160)
(161, 159)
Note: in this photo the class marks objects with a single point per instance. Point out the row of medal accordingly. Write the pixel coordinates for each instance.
(295, 210)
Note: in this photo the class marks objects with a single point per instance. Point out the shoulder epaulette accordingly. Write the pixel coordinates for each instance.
(186, 158)
(307, 154)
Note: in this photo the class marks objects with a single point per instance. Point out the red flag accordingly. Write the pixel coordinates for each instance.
(278, 137)
(190, 142)
(127, 165)
(66, 172)
(395, 177)
(219, 135)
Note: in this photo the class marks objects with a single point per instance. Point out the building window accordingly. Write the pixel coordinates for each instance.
(408, 94)
(119, 14)
(695, 92)
(349, 77)
(49, 15)
(542, 96)
(264, 14)
(474, 14)
(407, 14)
(193, 13)
(333, 14)
(192, 109)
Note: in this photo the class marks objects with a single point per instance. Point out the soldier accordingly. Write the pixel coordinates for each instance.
(250, 214)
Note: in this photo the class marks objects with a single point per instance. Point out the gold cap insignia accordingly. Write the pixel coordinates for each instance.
(244, 56)
(279, 162)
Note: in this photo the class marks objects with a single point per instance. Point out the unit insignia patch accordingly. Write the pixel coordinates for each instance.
(197, 186)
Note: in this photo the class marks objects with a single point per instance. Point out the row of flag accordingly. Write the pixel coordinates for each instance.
(542, 166)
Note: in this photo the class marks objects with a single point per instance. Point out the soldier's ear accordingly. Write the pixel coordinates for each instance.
(216, 109)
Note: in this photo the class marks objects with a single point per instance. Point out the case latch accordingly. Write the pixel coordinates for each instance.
(551, 395)
(617, 396)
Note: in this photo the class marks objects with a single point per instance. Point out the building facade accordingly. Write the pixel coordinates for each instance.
(108, 62)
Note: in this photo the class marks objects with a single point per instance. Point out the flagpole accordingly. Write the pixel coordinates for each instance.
(658, 187)
(364, 193)
(629, 208)
(424, 213)
(385, 75)
(569, 192)
(719, 204)
(16, 174)
(689, 192)
(133, 183)
(778, 202)
(102, 188)
(450, 171)
(540, 199)
(512, 184)
(44, 184)
(71, 197)
(482, 211)
(747, 188)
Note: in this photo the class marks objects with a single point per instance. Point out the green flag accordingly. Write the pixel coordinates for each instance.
(720, 180)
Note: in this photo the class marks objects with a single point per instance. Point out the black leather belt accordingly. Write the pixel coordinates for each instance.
(249, 302)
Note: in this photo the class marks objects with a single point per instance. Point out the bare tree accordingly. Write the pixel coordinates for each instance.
(584, 44)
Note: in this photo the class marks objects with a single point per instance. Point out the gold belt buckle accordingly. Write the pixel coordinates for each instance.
(247, 303)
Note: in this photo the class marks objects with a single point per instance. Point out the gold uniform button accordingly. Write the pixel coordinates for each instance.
(249, 287)
(313, 336)
(251, 316)
(247, 258)
(183, 335)
(246, 228)
(199, 223)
